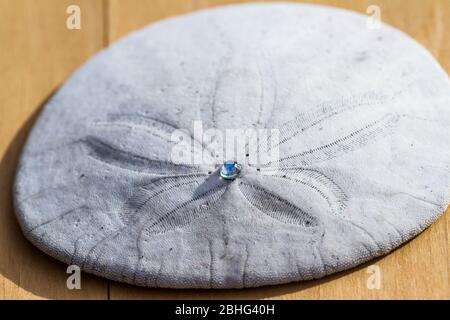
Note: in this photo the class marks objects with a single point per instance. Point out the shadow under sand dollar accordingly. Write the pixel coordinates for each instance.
(31, 272)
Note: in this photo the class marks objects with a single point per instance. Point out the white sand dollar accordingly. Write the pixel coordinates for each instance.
(364, 162)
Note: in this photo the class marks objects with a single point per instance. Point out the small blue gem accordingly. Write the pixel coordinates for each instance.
(229, 167)
(230, 170)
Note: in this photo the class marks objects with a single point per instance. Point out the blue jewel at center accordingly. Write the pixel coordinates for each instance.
(230, 170)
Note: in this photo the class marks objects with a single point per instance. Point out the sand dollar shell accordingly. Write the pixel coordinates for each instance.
(362, 121)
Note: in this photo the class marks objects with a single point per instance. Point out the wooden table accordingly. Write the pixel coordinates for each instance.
(38, 52)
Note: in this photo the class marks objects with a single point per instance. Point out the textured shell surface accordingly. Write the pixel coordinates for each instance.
(362, 119)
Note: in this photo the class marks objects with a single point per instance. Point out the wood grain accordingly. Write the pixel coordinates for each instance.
(37, 53)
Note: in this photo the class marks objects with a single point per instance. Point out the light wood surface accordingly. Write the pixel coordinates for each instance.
(38, 52)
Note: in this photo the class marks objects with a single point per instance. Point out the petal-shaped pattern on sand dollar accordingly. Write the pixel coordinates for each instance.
(121, 173)
(275, 206)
